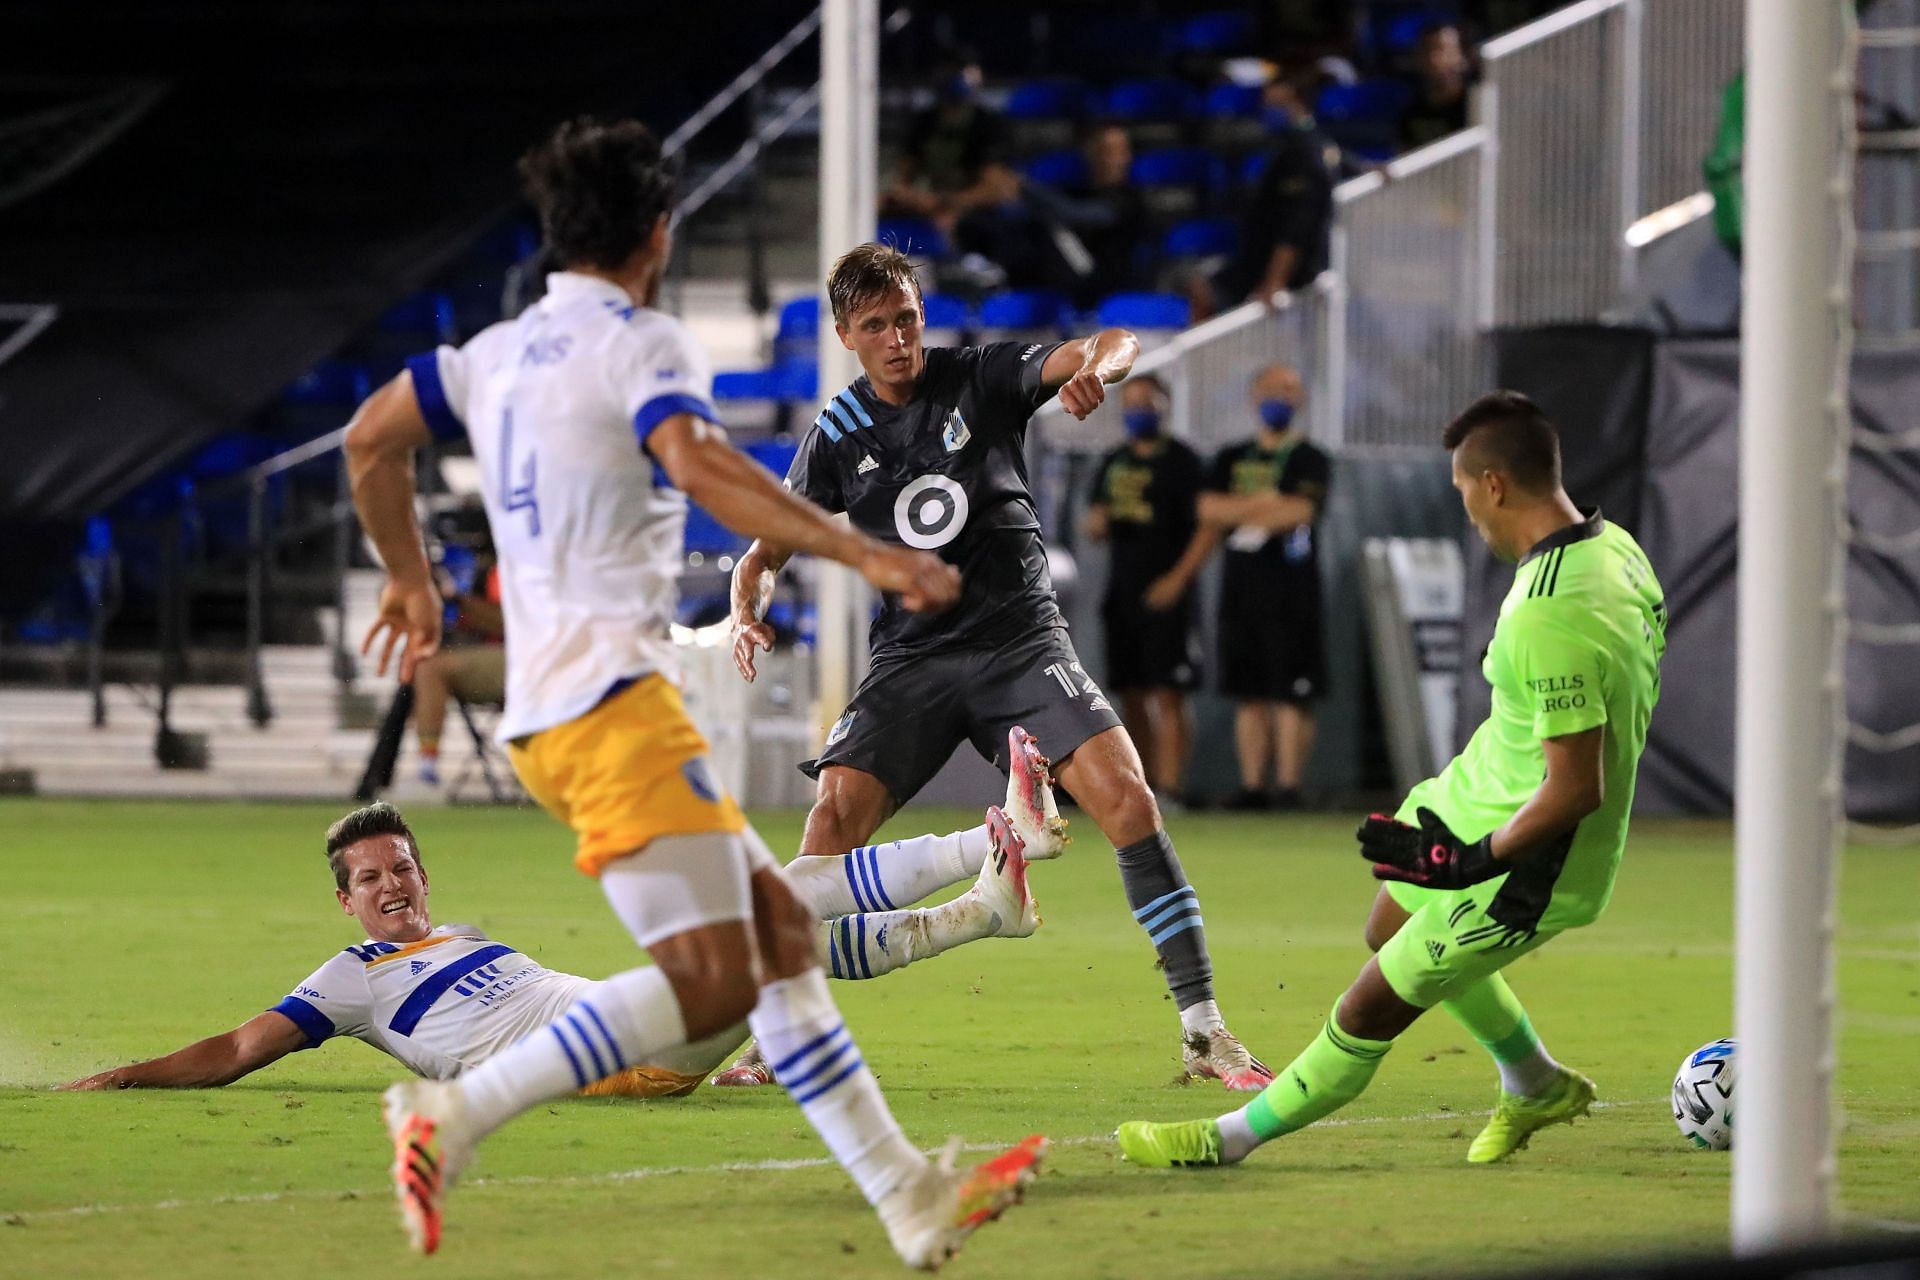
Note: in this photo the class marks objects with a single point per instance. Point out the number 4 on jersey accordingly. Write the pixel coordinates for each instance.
(517, 497)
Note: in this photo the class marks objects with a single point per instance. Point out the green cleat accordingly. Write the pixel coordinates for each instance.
(1516, 1118)
(1181, 1145)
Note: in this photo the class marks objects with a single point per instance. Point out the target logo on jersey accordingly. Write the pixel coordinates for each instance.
(930, 512)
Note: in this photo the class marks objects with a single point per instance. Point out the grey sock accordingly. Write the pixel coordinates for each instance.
(1169, 910)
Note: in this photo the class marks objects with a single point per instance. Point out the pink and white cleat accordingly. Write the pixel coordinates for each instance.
(749, 1070)
(1002, 887)
(1030, 809)
(1220, 1056)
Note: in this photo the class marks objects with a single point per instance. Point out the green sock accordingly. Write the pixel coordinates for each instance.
(1328, 1074)
(1492, 1014)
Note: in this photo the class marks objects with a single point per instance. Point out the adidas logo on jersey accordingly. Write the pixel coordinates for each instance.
(866, 464)
(418, 967)
(1099, 703)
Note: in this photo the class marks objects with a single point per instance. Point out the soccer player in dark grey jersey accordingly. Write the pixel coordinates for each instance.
(926, 450)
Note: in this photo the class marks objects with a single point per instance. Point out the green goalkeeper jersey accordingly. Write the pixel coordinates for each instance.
(1578, 644)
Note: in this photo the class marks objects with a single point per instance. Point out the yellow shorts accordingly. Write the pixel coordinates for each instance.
(632, 769)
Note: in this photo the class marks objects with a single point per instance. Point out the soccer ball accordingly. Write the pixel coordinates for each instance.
(1703, 1096)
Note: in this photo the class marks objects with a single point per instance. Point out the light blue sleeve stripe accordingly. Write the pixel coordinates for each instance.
(852, 402)
(842, 417)
(1190, 921)
(827, 425)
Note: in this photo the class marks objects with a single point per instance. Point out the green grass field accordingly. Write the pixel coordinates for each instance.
(131, 929)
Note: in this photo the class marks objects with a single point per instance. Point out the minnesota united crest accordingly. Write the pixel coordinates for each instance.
(957, 433)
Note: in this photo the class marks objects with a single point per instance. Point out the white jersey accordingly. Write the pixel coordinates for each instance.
(558, 405)
(440, 1005)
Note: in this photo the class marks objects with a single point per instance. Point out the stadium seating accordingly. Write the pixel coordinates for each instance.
(1044, 113)
(1228, 31)
(916, 237)
(1177, 181)
(1025, 312)
(1144, 311)
(1200, 238)
(1363, 117)
(1154, 111)
(1066, 167)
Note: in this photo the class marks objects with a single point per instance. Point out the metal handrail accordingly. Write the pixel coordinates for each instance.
(740, 84)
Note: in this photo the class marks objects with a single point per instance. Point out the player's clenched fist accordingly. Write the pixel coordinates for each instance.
(748, 636)
(924, 582)
(1081, 394)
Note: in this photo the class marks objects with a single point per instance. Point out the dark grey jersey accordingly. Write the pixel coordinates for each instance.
(945, 472)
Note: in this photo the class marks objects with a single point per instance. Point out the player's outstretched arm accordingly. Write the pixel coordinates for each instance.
(208, 1063)
(1083, 368)
(754, 579)
(744, 496)
(379, 448)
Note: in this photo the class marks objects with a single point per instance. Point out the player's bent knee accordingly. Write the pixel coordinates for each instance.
(784, 928)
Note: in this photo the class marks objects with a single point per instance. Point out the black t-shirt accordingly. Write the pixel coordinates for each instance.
(946, 472)
(1267, 569)
(1291, 205)
(950, 152)
(1150, 505)
(1423, 121)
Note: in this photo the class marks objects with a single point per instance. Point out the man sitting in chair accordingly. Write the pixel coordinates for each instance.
(472, 664)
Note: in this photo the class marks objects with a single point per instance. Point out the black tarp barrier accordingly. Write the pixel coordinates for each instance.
(1660, 451)
(305, 167)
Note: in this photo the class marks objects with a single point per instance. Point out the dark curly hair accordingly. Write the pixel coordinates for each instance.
(598, 186)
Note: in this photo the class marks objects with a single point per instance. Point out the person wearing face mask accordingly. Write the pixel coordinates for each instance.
(1143, 505)
(1262, 499)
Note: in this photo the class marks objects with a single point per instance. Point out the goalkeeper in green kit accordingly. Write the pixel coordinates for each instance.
(1517, 839)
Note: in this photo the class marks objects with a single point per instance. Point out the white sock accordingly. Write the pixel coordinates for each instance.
(1202, 1018)
(815, 1059)
(879, 877)
(1237, 1139)
(1532, 1076)
(622, 1022)
(868, 945)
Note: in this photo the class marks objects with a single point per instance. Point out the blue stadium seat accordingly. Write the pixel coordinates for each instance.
(1232, 101)
(1226, 32)
(1176, 166)
(775, 455)
(1134, 100)
(330, 384)
(944, 311)
(1024, 309)
(1063, 168)
(746, 384)
(423, 313)
(1144, 311)
(1047, 100)
(1200, 238)
(916, 236)
(798, 379)
(800, 318)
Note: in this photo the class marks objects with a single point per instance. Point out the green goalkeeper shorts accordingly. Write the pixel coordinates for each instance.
(1448, 943)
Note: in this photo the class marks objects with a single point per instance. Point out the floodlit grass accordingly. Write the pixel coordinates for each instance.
(131, 929)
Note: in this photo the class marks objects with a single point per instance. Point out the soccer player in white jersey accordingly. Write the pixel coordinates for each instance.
(438, 999)
(590, 419)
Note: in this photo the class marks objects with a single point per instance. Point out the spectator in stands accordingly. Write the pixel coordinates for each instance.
(1288, 219)
(472, 662)
(1095, 230)
(1442, 76)
(1143, 504)
(1262, 499)
(954, 162)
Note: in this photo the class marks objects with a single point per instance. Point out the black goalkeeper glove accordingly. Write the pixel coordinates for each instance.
(1428, 855)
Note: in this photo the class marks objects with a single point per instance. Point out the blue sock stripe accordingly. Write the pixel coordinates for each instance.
(600, 1071)
(1181, 925)
(1161, 901)
(803, 1099)
(613, 1046)
(865, 873)
(1185, 904)
(846, 945)
(572, 1060)
(873, 878)
(852, 862)
(833, 1057)
(787, 1062)
(833, 953)
(866, 970)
